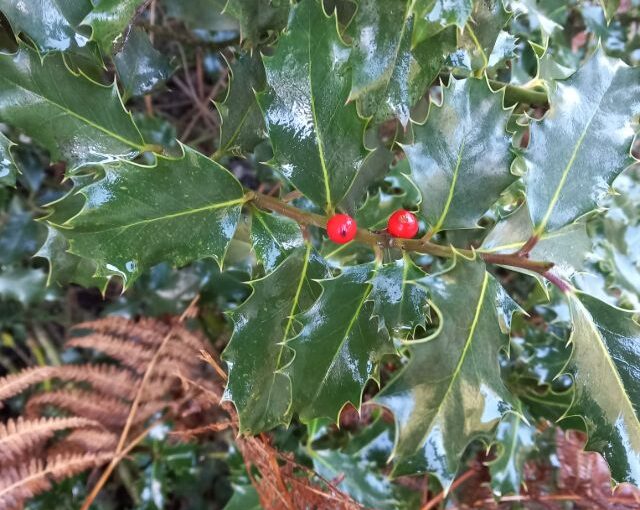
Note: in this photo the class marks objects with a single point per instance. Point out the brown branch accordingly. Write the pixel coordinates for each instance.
(459, 481)
(423, 245)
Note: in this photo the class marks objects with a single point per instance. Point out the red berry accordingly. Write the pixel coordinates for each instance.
(341, 228)
(403, 224)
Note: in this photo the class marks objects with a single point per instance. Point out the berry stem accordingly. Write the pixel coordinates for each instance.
(384, 240)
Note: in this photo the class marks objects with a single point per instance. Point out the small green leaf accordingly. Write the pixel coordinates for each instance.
(610, 7)
(439, 14)
(604, 365)
(24, 285)
(460, 159)
(399, 297)
(338, 348)
(136, 216)
(108, 20)
(516, 441)
(51, 24)
(141, 68)
(389, 76)
(583, 143)
(316, 138)
(539, 16)
(256, 16)
(245, 497)
(242, 122)
(8, 168)
(273, 237)
(75, 119)
(257, 352)
(461, 396)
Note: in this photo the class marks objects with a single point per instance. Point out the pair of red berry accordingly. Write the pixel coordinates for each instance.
(342, 228)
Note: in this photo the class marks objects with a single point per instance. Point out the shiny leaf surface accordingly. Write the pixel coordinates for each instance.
(605, 355)
(583, 143)
(136, 216)
(461, 158)
(439, 411)
(258, 353)
(316, 138)
(256, 16)
(399, 297)
(58, 109)
(338, 347)
(8, 168)
(273, 238)
(108, 20)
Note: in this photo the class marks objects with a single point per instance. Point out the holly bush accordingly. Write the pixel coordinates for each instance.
(501, 125)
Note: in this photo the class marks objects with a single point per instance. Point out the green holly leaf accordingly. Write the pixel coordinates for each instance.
(516, 441)
(603, 364)
(51, 24)
(583, 143)
(25, 285)
(389, 76)
(74, 118)
(141, 68)
(273, 237)
(610, 7)
(439, 411)
(566, 247)
(435, 15)
(108, 20)
(399, 297)
(338, 348)
(8, 168)
(316, 138)
(20, 235)
(242, 123)
(461, 156)
(136, 216)
(538, 15)
(202, 14)
(258, 352)
(257, 16)
(397, 192)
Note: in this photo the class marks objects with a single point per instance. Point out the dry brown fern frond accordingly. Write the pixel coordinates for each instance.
(21, 482)
(105, 405)
(18, 437)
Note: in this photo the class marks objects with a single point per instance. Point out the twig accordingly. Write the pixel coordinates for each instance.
(459, 481)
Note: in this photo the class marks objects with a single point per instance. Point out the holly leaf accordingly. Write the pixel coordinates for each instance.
(460, 158)
(202, 14)
(25, 285)
(439, 411)
(603, 364)
(8, 168)
(399, 297)
(273, 237)
(610, 7)
(583, 143)
(51, 24)
(141, 68)
(242, 123)
(389, 76)
(57, 108)
(515, 439)
(566, 248)
(257, 352)
(136, 216)
(439, 14)
(108, 20)
(316, 138)
(338, 348)
(397, 192)
(256, 16)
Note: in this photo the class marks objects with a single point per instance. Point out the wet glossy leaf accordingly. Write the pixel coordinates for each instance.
(137, 216)
(538, 15)
(26, 286)
(583, 143)
(8, 168)
(58, 110)
(567, 247)
(439, 411)
(399, 297)
(108, 20)
(439, 14)
(141, 68)
(201, 14)
(242, 122)
(515, 440)
(258, 353)
(461, 157)
(256, 16)
(316, 138)
(245, 497)
(51, 24)
(273, 238)
(338, 347)
(603, 364)
(389, 76)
